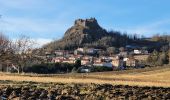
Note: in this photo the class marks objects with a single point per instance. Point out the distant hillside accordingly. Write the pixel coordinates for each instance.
(88, 33)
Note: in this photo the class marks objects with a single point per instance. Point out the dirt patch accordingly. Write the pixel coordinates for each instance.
(59, 91)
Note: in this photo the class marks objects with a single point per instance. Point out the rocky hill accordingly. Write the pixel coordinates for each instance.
(87, 32)
(84, 31)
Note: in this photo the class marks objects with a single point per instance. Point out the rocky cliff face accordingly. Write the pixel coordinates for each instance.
(84, 31)
(87, 32)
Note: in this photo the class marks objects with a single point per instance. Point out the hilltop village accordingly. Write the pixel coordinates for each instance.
(129, 57)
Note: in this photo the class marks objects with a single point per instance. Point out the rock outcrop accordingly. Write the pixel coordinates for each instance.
(87, 32)
(84, 31)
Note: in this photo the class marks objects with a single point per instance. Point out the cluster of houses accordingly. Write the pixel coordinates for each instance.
(118, 61)
(90, 57)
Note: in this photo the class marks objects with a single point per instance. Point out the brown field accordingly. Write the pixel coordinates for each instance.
(159, 77)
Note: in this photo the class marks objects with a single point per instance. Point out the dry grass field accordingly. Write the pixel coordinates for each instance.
(158, 77)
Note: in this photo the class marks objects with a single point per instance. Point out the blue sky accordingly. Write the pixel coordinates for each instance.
(46, 20)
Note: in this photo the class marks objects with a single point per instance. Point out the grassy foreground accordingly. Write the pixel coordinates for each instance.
(158, 77)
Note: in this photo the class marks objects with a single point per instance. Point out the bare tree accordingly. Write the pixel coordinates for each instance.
(23, 47)
(111, 50)
(16, 54)
(6, 51)
(3, 47)
(3, 42)
(121, 49)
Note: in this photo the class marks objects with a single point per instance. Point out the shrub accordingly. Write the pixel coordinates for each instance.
(101, 69)
(158, 58)
(49, 68)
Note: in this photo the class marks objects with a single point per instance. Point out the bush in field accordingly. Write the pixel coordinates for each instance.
(158, 58)
(39, 69)
(49, 68)
(101, 69)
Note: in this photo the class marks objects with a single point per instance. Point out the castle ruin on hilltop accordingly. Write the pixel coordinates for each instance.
(87, 22)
